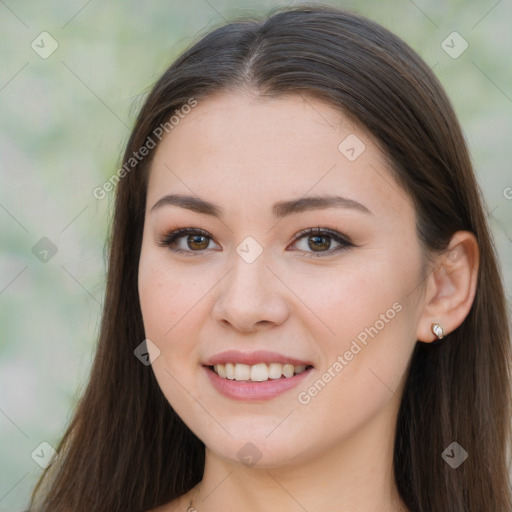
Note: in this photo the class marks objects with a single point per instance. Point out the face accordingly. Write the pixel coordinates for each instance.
(265, 281)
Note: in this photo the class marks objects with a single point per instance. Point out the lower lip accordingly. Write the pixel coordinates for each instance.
(249, 390)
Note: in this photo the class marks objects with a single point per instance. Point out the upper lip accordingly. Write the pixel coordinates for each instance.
(252, 358)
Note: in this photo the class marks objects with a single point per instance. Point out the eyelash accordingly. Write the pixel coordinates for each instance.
(169, 239)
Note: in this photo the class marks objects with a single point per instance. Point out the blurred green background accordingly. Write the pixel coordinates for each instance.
(65, 117)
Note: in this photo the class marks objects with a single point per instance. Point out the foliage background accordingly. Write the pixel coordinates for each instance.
(64, 121)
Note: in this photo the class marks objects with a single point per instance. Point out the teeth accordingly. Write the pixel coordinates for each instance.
(275, 370)
(230, 370)
(220, 369)
(257, 372)
(242, 372)
(288, 370)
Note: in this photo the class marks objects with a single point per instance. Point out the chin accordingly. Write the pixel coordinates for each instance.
(258, 453)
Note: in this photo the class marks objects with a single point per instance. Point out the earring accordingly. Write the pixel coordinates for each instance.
(437, 330)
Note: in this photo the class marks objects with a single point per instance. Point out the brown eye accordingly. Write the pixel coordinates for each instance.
(319, 242)
(189, 241)
(197, 242)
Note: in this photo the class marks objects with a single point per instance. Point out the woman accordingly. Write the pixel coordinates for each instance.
(303, 309)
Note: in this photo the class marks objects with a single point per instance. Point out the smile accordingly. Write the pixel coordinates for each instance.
(257, 372)
(257, 382)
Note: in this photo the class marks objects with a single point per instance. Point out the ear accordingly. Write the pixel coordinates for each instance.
(450, 287)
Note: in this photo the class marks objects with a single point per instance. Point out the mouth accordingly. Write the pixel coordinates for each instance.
(255, 376)
(257, 382)
(260, 372)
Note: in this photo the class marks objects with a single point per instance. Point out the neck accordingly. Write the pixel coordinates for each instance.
(356, 476)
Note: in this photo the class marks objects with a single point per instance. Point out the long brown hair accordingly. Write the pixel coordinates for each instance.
(127, 450)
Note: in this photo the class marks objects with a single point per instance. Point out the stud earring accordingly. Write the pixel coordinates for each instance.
(437, 330)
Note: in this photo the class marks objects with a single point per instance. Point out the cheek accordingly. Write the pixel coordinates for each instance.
(163, 302)
(154, 294)
(168, 305)
(174, 307)
(345, 301)
(365, 361)
(167, 297)
(365, 313)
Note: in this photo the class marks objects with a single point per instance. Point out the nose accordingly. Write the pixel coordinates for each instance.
(250, 298)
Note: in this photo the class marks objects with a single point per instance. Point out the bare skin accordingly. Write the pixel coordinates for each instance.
(329, 450)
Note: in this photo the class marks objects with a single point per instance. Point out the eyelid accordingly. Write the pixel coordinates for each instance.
(335, 235)
(323, 231)
(171, 237)
(168, 239)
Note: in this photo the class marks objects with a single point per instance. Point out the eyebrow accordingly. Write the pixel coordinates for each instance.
(279, 210)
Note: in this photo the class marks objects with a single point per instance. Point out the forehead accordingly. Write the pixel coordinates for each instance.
(240, 149)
